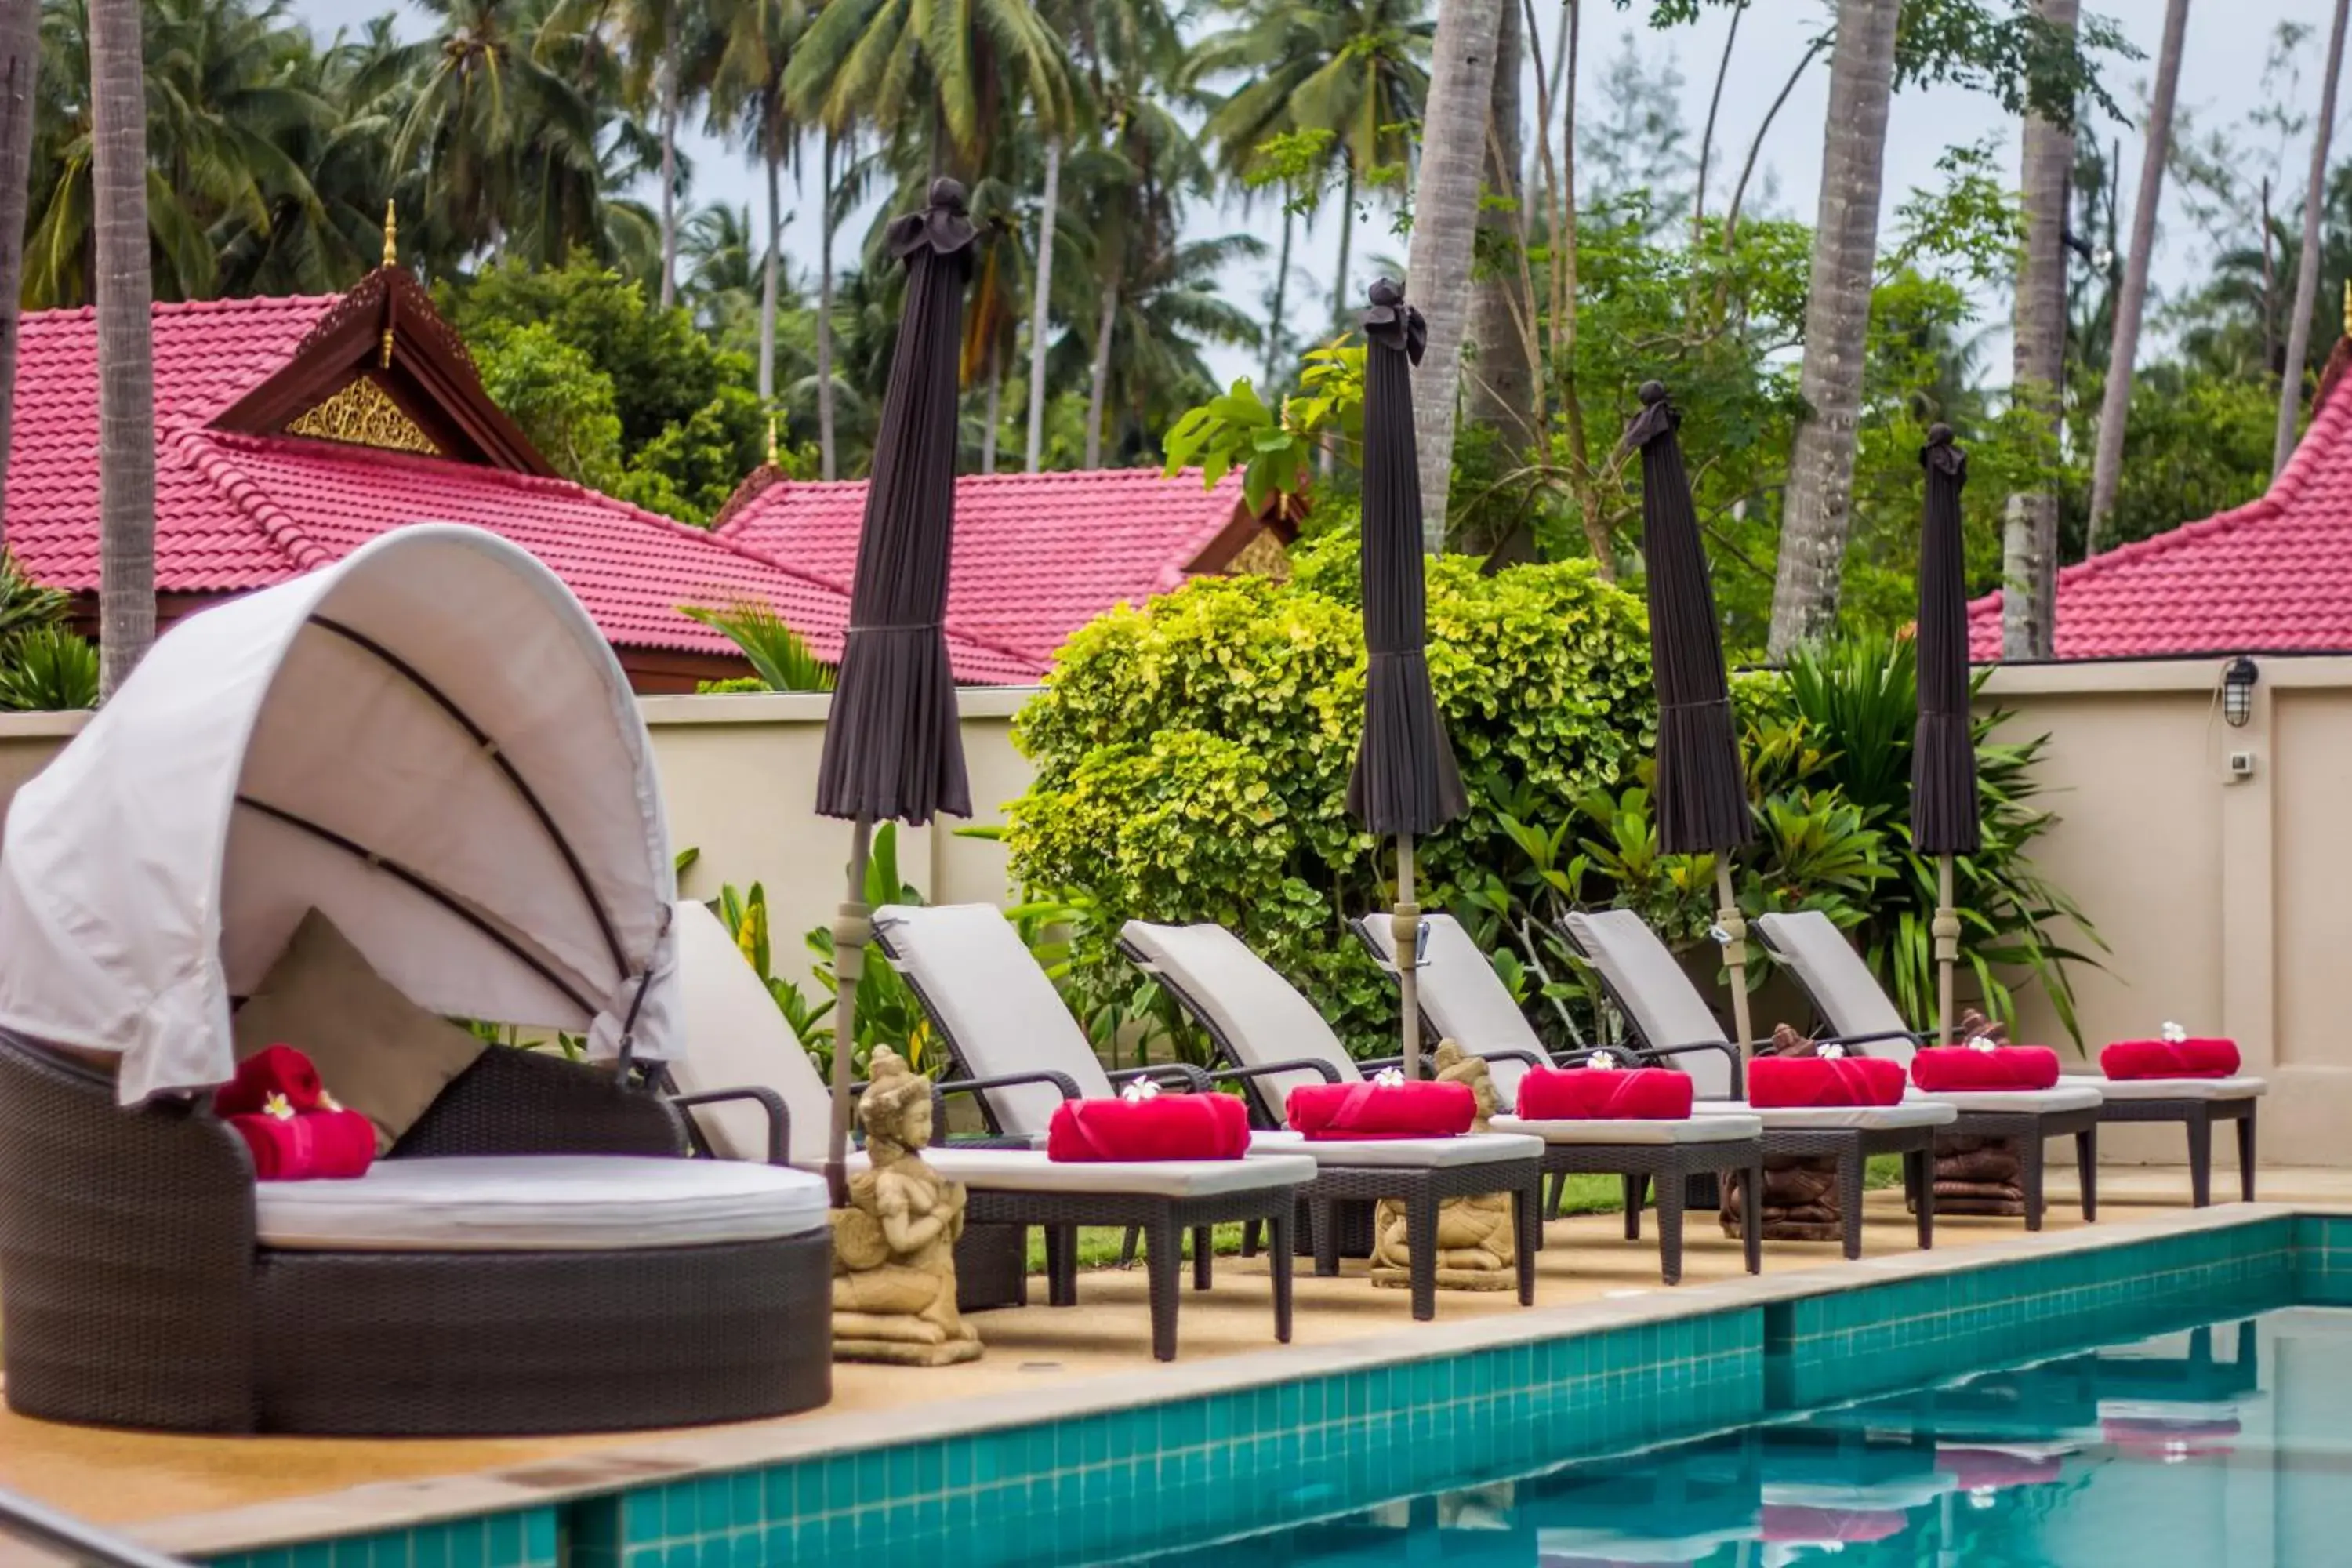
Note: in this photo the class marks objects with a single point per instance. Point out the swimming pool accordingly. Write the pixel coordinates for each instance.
(2225, 1445)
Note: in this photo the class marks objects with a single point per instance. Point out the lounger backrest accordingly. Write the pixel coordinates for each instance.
(998, 1009)
(1835, 977)
(1462, 995)
(1649, 982)
(1257, 1016)
(736, 1038)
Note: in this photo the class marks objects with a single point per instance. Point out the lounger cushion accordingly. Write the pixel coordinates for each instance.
(2030, 1101)
(2183, 1088)
(1835, 976)
(1649, 983)
(1401, 1153)
(1825, 1119)
(1616, 1131)
(539, 1203)
(1026, 1170)
(1462, 995)
(376, 1051)
(739, 1038)
(1256, 1014)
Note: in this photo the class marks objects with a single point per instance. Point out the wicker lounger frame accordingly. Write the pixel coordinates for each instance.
(1161, 1221)
(2199, 1116)
(135, 1294)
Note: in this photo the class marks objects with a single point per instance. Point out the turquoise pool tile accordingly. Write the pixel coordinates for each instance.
(680, 1517)
(647, 1557)
(505, 1536)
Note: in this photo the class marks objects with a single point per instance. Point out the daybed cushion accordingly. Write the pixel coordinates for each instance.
(1025, 1171)
(1605, 1132)
(539, 1203)
(377, 1052)
(2183, 1088)
(2026, 1100)
(1399, 1153)
(1831, 1118)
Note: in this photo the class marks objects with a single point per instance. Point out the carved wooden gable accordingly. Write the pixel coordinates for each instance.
(361, 414)
(1263, 556)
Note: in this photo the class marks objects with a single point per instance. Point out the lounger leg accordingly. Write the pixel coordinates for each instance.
(1061, 1282)
(1205, 1254)
(1637, 1193)
(2087, 1167)
(1559, 1198)
(1127, 1246)
(1249, 1237)
(2200, 1157)
(1751, 1217)
(1926, 1208)
(1850, 1164)
(1278, 1227)
(2030, 1151)
(1421, 1243)
(1527, 1209)
(2246, 1155)
(1322, 1215)
(1672, 1187)
(1163, 1258)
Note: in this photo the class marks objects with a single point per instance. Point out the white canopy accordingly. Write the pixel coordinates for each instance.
(429, 742)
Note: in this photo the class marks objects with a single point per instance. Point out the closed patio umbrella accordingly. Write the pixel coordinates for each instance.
(1700, 793)
(1405, 781)
(892, 749)
(1943, 748)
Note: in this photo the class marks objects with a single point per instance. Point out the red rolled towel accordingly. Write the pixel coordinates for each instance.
(1164, 1127)
(1422, 1108)
(314, 1145)
(277, 1069)
(2170, 1059)
(1594, 1094)
(1955, 1070)
(1782, 1522)
(1976, 1469)
(1786, 1083)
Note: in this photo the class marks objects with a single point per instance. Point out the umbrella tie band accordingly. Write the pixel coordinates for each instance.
(902, 627)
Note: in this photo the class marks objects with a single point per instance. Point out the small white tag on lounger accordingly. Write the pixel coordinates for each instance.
(1138, 1092)
(1720, 937)
(1388, 1078)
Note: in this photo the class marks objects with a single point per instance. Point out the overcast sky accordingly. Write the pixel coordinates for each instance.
(2221, 83)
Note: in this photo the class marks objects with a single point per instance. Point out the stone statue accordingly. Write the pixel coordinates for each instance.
(1477, 1244)
(894, 1282)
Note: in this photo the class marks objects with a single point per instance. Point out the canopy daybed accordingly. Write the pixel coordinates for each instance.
(429, 747)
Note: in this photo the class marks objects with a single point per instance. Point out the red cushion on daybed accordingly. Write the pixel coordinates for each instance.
(1167, 1127)
(1596, 1094)
(1786, 1083)
(1977, 1469)
(1955, 1070)
(2170, 1059)
(312, 1146)
(1782, 1522)
(1416, 1110)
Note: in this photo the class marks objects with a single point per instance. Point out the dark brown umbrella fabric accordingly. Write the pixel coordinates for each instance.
(1405, 779)
(1943, 751)
(892, 749)
(1700, 795)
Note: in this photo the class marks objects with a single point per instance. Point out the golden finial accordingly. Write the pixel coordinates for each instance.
(2347, 307)
(391, 235)
(771, 437)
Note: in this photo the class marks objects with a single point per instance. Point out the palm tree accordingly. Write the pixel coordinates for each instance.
(1818, 514)
(2115, 403)
(20, 56)
(2306, 272)
(672, 48)
(747, 97)
(1355, 71)
(126, 368)
(1446, 211)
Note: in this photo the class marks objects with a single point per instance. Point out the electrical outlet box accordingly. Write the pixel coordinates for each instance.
(2242, 765)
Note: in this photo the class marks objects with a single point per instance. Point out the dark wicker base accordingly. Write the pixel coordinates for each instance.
(1162, 1222)
(2199, 1116)
(1852, 1147)
(1422, 1192)
(430, 1344)
(992, 1267)
(2027, 1131)
(1671, 1166)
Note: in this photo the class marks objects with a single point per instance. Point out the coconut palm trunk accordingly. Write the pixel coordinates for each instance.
(20, 53)
(1346, 242)
(1098, 393)
(826, 468)
(1049, 209)
(1445, 220)
(995, 409)
(2131, 300)
(1817, 516)
(769, 265)
(2030, 534)
(1274, 336)
(668, 172)
(1500, 392)
(2306, 271)
(126, 366)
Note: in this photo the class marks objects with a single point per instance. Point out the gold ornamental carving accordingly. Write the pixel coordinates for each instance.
(364, 415)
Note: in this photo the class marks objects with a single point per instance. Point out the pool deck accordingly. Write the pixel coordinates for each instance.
(215, 1494)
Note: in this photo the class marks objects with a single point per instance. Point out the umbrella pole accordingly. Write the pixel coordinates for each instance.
(852, 928)
(1947, 933)
(1735, 949)
(1406, 942)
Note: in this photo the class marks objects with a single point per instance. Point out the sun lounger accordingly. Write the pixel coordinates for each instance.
(1274, 1041)
(778, 1106)
(1814, 951)
(1463, 999)
(1643, 976)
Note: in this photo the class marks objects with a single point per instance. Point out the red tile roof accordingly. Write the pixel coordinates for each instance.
(1036, 556)
(239, 512)
(2272, 577)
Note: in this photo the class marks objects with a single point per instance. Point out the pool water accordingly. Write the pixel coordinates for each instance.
(2228, 1446)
